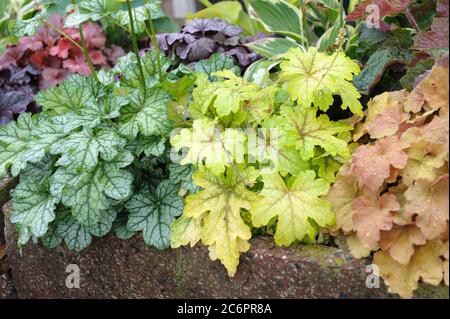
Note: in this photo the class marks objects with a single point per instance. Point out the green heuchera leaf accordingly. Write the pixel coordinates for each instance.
(30, 26)
(146, 114)
(312, 78)
(86, 10)
(215, 63)
(33, 208)
(81, 159)
(140, 14)
(153, 213)
(69, 96)
(297, 205)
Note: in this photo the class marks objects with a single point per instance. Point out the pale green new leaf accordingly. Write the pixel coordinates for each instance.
(215, 63)
(312, 78)
(153, 213)
(297, 206)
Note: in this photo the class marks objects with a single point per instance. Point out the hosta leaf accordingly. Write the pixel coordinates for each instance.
(272, 47)
(70, 95)
(278, 16)
(153, 213)
(217, 209)
(304, 131)
(313, 77)
(425, 264)
(33, 207)
(146, 114)
(295, 205)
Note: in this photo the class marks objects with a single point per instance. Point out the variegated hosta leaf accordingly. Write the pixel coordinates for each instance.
(153, 213)
(33, 208)
(216, 213)
(146, 114)
(296, 204)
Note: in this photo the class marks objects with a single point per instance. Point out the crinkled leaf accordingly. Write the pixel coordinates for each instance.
(295, 205)
(313, 77)
(153, 213)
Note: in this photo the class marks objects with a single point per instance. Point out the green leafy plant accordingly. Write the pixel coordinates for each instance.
(261, 150)
(96, 159)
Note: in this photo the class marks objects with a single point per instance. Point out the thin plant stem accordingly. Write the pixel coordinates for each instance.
(135, 46)
(152, 35)
(85, 50)
(65, 35)
(304, 30)
(206, 3)
(411, 20)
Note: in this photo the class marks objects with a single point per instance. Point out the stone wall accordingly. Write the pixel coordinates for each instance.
(113, 268)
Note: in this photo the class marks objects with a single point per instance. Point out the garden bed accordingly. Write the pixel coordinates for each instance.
(113, 268)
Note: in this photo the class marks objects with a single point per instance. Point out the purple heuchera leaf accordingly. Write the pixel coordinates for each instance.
(200, 38)
(17, 89)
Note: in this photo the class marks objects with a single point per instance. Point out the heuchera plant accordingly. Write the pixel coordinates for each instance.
(56, 56)
(275, 172)
(392, 198)
(200, 38)
(96, 157)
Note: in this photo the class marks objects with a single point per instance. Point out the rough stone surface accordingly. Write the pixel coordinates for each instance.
(7, 290)
(113, 268)
(6, 184)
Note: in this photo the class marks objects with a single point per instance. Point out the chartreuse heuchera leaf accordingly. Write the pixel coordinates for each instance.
(264, 151)
(312, 78)
(90, 156)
